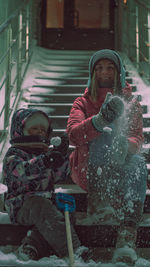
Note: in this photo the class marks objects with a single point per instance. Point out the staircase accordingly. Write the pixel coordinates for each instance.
(54, 80)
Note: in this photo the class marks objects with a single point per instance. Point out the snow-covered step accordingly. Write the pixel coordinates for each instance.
(67, 53)
(81, 196)
(96, 235)
(44, 96)
(148, 169)
(61, 69)
(64, 80)
(146, 132)
(70, 79)
(61, 74)
(53, 98)
(146, 120)
(53, 108)
(57, 88)
(59, 121)
(65, 62)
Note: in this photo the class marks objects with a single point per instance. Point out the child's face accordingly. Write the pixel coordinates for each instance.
(37, 124)
(38, 129)
(105, 73)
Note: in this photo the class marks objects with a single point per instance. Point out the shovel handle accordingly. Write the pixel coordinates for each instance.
(69, 239)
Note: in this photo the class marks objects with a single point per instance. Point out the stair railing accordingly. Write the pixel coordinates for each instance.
(136, 35)
(16, 42)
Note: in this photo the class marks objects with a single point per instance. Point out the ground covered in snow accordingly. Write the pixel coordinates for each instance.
(10, 259)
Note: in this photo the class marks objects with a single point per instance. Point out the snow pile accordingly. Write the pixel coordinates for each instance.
(4, 218)
(3, 188)
(125, 252)
(53, 261)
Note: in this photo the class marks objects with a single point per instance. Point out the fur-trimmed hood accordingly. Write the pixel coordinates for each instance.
(18, 122)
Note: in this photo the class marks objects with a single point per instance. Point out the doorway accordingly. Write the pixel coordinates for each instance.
(78, 24)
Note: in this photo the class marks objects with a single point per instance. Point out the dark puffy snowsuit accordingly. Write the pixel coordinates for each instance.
(30, 183)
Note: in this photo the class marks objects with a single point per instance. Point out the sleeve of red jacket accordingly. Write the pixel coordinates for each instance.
(79, 128)
(135, 132)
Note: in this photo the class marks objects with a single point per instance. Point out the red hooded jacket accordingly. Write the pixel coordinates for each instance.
(81, 130)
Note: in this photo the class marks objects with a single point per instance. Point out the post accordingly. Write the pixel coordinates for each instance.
(27, 33)
(8, 77)
(19, 59)
(148, 20)
(137, 39)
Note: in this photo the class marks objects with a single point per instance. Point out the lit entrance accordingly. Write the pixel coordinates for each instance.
(78, 24)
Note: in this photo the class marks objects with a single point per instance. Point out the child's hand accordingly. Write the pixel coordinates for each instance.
(64, 145)
(53, 159)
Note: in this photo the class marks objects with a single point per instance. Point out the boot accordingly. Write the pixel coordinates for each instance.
(99, 210)
(27, 252)
(126, 246)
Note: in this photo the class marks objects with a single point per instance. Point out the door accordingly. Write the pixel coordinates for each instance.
(78, 24)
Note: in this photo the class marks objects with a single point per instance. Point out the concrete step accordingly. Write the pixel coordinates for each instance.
(68, 80)
(53, 98)
(61, 69)
(61, 74)
(54, 109)
(58, 89)
(65, 62)
(69, 53)
(100, 235)
(146, 120)
(146, 132)
(46, 97)
(59, 121)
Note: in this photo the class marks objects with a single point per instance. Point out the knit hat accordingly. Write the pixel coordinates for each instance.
(111, 55)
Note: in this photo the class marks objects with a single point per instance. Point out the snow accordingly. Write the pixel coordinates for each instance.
(55, 141)
(99, 171)
(3, 188)
(107, 129)
(10, 259)
(4, 218)
(125, 251)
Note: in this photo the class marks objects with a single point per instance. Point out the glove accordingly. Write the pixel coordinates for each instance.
(119, 150)
(64, 145)
(111, 109)
(53, 159)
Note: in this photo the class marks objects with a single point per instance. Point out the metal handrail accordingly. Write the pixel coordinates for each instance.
(137, 46)
(5, 24)
(14, 62)
(147, 7)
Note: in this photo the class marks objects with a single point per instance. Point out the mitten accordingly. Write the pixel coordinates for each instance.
(119, 150)
(64, 145)
(111, 109)
(53, 159)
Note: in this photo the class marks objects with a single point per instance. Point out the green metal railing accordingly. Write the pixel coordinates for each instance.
(16, 41)
(136, 35)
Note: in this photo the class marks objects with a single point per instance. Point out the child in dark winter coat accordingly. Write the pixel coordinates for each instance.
(105, 126)
(30, 170)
